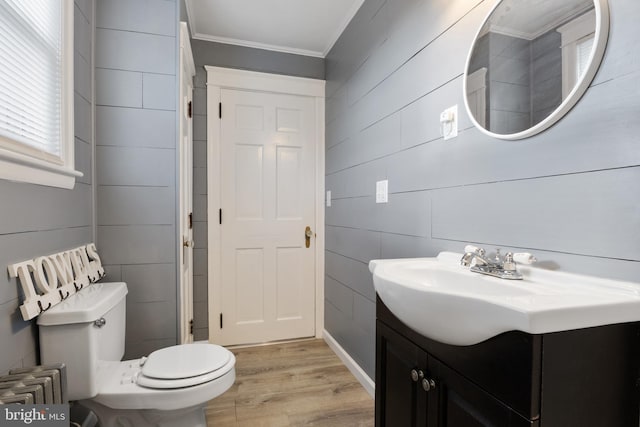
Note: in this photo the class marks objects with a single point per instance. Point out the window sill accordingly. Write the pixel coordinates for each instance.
(21, 168)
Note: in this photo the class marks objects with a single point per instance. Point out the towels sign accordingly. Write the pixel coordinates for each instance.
(56, 277)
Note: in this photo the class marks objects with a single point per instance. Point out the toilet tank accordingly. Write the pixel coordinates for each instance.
(86, 328)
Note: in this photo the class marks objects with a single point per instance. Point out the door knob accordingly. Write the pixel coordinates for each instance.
(187, 243)
(307, 236)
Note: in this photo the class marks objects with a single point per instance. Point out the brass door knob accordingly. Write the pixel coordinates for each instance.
(307, 236)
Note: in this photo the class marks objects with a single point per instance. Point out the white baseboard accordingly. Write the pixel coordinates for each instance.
(368, 384)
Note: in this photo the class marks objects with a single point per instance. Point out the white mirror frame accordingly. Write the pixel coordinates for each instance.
(597, 53)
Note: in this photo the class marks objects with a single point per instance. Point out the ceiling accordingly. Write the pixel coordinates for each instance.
(304, 27)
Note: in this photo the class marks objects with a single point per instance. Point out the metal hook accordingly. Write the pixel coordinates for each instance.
(62, 296)
(41, 308)
(75, 285)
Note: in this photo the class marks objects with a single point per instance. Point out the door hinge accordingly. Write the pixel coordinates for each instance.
(220, 110)
(220, 320)
(220, 216)
(190, 109)
(191, 326)
(190, 220)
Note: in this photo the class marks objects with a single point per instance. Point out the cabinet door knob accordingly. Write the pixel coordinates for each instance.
(428, 384)
(416, 375)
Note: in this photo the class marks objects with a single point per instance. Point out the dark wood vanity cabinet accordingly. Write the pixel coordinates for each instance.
(413, 388)
(582, 378)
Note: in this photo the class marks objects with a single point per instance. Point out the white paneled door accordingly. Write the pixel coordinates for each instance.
(267, 151)
(185, 238)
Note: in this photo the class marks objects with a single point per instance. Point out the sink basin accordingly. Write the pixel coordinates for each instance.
(446, 302)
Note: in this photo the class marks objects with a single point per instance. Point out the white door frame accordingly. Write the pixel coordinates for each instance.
(186, 72)
(225, 78)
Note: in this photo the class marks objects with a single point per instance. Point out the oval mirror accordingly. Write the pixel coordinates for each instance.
(530, 63)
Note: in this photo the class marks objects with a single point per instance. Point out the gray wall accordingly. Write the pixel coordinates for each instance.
(37, 220)
(524, 79)
(546, 74)
(509, 83)
(200, 274)
(245, 58)
(569, 195)
(183, 12)
(136, 137)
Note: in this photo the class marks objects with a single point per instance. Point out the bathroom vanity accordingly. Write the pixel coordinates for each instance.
(584, 377)
(468, 340)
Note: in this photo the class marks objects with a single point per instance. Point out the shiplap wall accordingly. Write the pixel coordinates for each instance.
(136, 137)
(37, 220)
(569, 195)
(239, 57)
(200, 272)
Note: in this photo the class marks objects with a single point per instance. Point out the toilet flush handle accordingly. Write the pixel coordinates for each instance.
(100, 322)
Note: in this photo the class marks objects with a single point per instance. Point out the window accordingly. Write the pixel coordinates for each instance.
(577, 43)
(583, 52)
(36, 92)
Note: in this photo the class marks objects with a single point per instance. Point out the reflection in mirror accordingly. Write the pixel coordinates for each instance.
(528, 57)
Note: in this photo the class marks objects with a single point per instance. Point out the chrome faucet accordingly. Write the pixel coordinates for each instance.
(502, 267)
(473, 253)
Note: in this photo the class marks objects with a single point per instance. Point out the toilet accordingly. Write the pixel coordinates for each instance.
(169, 388)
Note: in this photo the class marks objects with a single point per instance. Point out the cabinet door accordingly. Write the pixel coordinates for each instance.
(464, 404)
(400, 368)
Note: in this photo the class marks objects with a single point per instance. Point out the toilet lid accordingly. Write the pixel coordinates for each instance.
(157, 383)
(174, 367)
(185, 361)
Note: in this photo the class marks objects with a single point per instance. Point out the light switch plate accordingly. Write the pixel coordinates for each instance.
(329, 198)
(449, 122)
(382, 191)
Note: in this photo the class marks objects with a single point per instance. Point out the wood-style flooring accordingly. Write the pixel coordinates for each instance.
(292, 384)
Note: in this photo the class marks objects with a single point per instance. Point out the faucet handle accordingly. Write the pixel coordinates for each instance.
(474, 249)
(509, 264)
(524, 258)
(471, 248)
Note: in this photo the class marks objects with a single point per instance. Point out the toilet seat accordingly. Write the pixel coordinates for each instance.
(119, 390)
(182, 366)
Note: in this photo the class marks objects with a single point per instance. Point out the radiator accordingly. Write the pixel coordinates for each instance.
(46, 384)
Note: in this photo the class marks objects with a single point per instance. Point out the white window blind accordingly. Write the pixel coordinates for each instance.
(36, 92)
(583, 52)
(31, 74)
(578, 36)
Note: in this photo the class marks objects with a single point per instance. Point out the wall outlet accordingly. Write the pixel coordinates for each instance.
(382, 191)
(329, 198)
(449, 122)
